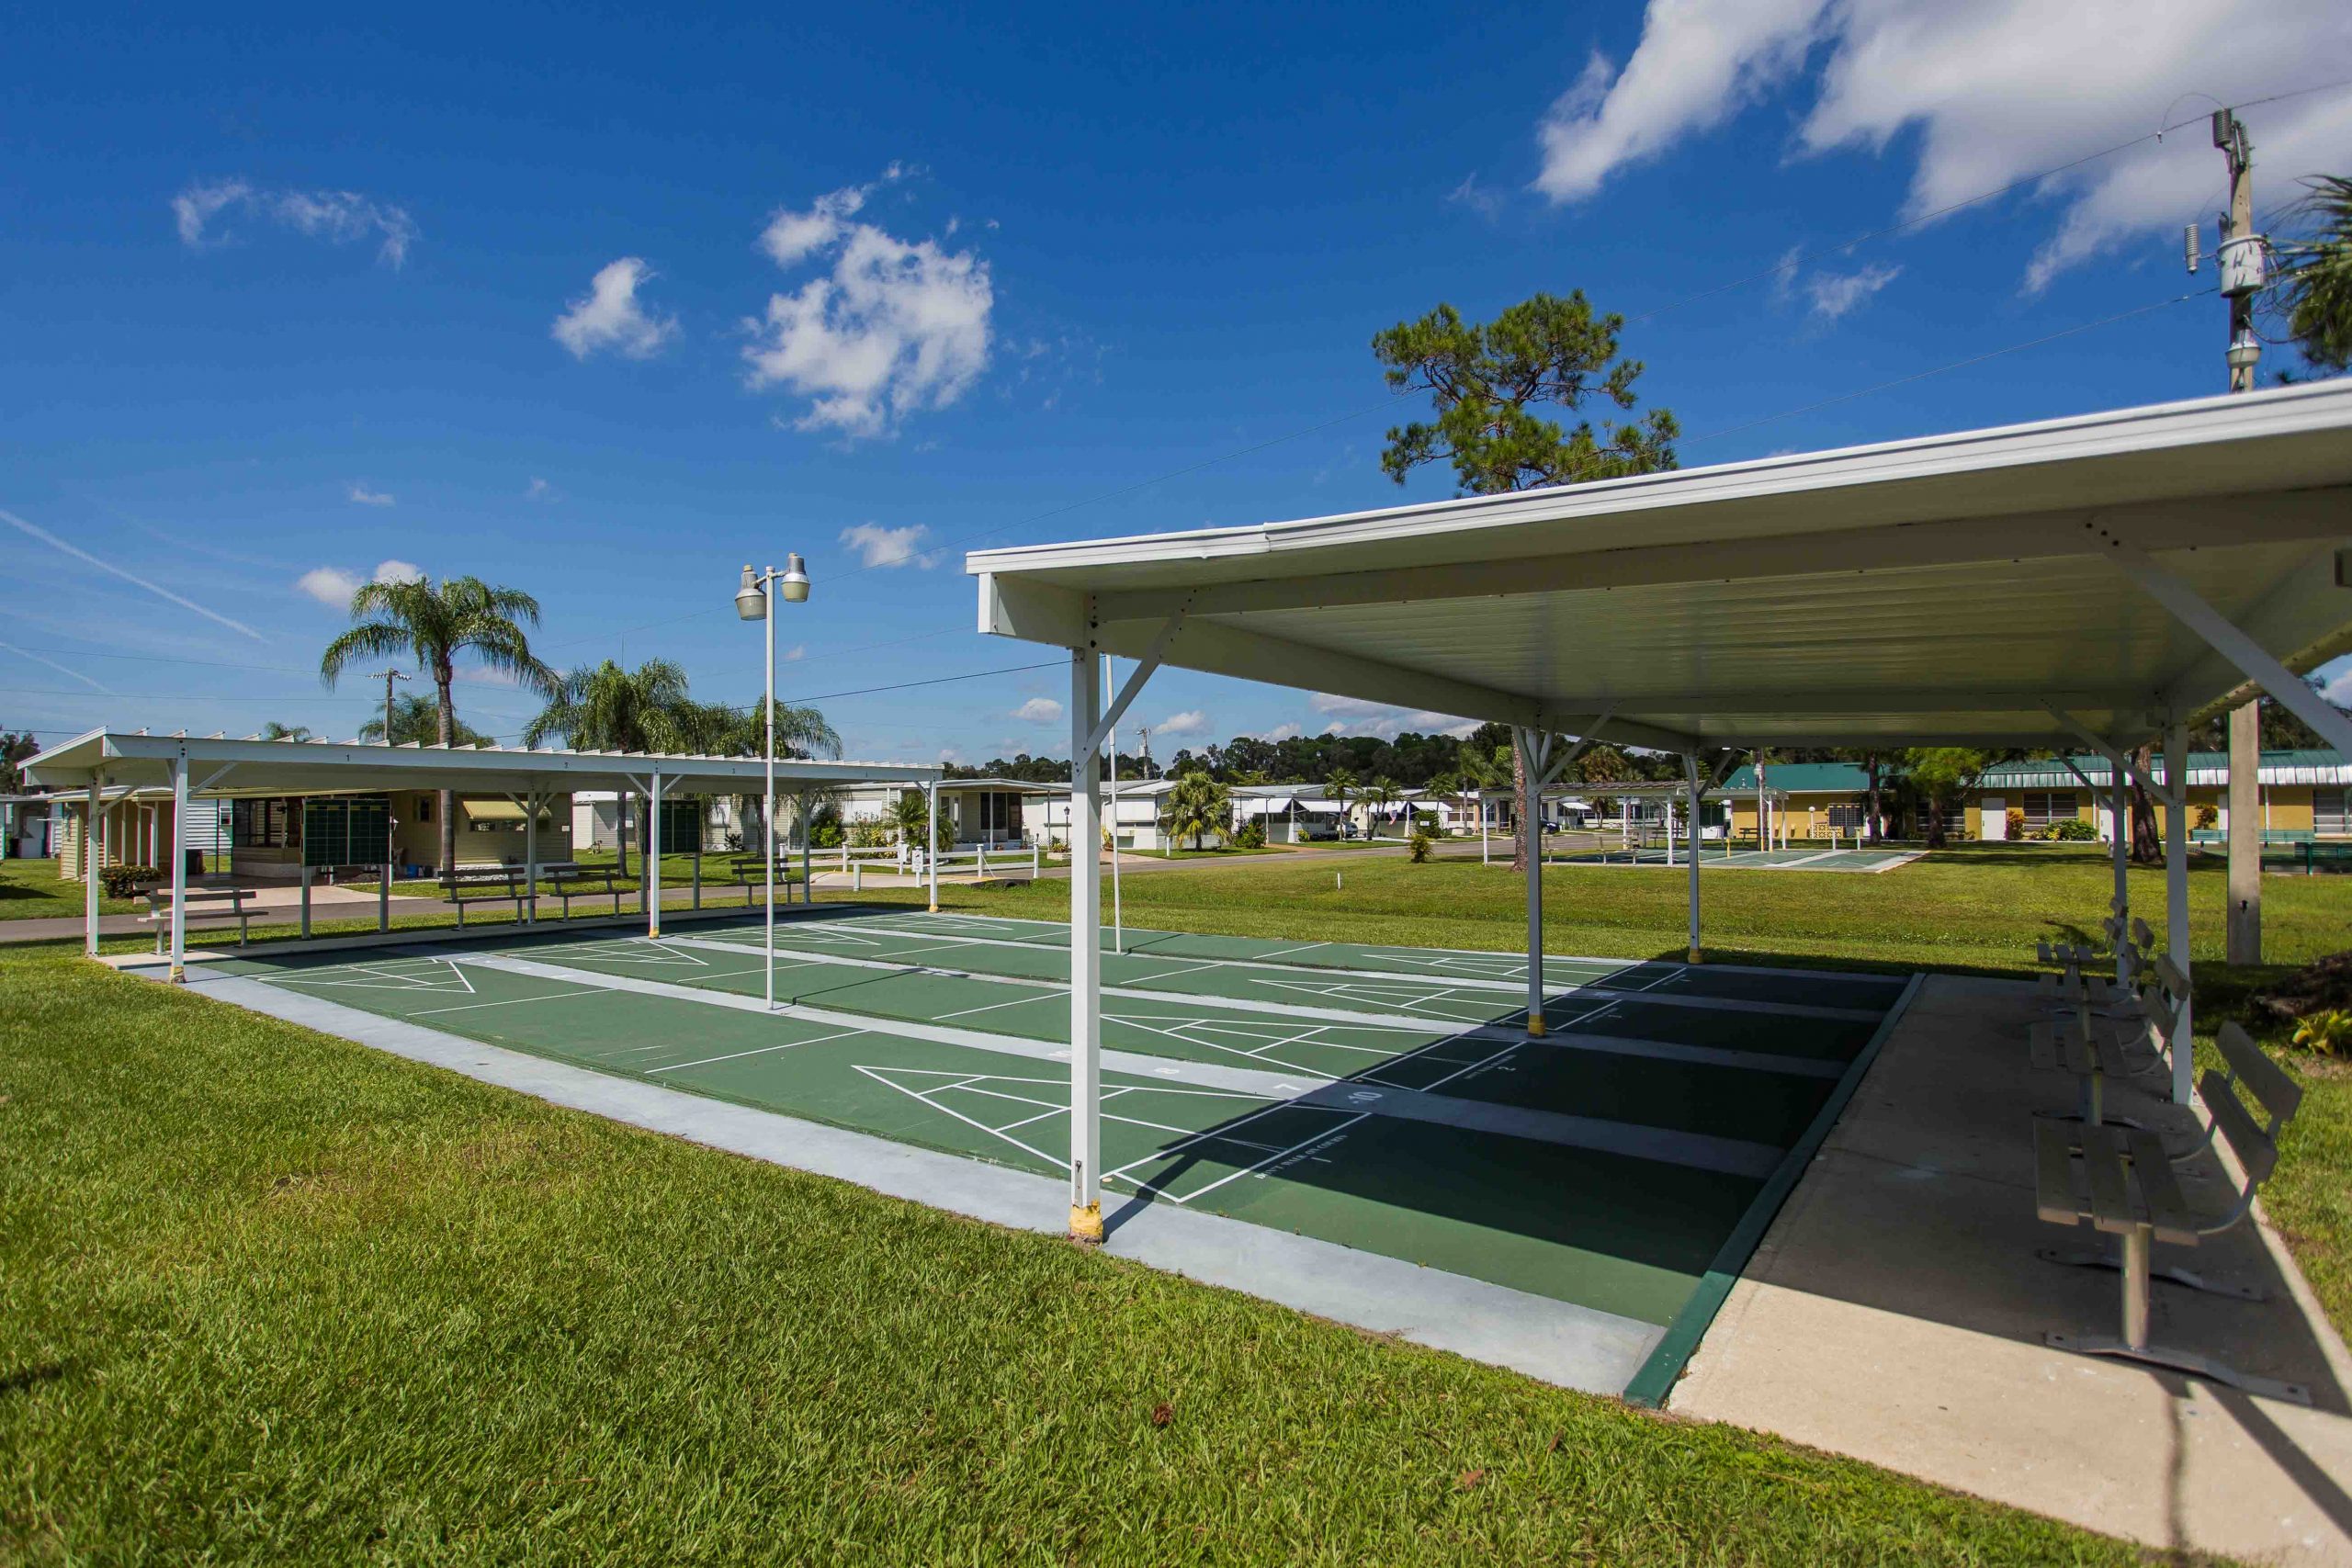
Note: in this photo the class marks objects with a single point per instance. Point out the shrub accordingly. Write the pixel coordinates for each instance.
(2016, 819)
(1418, 847)
(2207, 816)
(1252, 836)
(125, 881)
(868, 833)
(2329, 1034)
(2073, 829)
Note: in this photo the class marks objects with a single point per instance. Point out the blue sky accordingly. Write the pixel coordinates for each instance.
(604, 305)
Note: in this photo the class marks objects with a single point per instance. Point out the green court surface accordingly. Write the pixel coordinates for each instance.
(1386, 1099)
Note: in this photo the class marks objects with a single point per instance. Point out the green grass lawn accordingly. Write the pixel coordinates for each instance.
(270, 1297)
(29, 890)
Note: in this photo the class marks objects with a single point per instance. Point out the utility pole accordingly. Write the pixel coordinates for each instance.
(2241, 255)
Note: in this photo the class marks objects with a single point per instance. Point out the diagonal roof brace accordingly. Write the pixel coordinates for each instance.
(2187, 607)
(2117, 760)
(1151, 659)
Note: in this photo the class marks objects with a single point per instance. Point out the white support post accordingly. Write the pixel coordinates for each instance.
(1036, 860)
(1536, 752)
(305, 880)
(702, 826)
(1085, 950)
(931, 832)
(179, 871)
(2182, 1044)
(650, 856)
(531, 858)
(2119, 831)
(1691, 776)
(91, 814)
(807, 877)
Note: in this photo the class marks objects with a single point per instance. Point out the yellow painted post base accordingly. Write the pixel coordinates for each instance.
(654, 933)
(935, 909)
(1536, 1024)
(1697, 956)
(1086, 1223)
(179, 976)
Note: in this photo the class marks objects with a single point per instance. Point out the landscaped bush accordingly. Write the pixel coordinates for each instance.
(2070, 829)
(125, 881)
(868, 833)
(1418, 847)
(1252, 836)
(2209, 817)
(2329, 1034)
(2016, 819)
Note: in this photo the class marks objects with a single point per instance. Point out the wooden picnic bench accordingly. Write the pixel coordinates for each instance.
(199, 904)
(2128, 1190)
(751, 874)
(572, 880)
(486, 885)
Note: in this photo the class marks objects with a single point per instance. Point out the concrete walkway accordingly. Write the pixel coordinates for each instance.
(1896, 1309)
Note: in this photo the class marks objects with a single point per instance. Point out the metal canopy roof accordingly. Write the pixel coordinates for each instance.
(1939, 590)
(219, 765)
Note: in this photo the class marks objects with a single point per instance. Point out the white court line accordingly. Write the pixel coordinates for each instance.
(760, 1051)
(1223, 1135)
(991, 1007)
(1284, 951)
(923, 1099)
(510, 1001)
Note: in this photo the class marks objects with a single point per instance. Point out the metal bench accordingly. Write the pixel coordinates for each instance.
(485, 885)
(2094, 1037)
(2134, 1195)
(199, 904)
(571, 881)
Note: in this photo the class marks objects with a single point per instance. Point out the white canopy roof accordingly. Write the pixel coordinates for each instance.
(1939, 590)
(252, 766)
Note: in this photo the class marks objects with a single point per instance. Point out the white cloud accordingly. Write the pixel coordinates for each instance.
(1038, 710)
(798, 650)
(1832, 294)
(330, 585)
(877, 546)
(1357, 716)
(339, 217)
(334, 586)
(540, 491)
(1192, 721)
(608, 315)
(1483, 199)
(1281, 732)
(363, 496)
(1987, 91)
(2337, 688)
(893, 328)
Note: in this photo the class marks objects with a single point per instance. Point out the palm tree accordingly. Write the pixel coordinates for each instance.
(1482, 770)
(1381, 793)
(2317, 295)
(911, 816)
(1341, 787)
(436, 626)
(737, 732)
(274, 730)
(416, 722)
(1447, 786)
(1199, 806)
(604, 707)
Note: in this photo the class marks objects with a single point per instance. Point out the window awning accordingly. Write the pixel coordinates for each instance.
(500, 811)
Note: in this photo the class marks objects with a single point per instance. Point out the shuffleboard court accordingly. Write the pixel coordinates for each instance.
(1383, 1098)
(1800, 858)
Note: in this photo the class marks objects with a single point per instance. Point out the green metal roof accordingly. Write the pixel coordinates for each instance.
(2205, 769)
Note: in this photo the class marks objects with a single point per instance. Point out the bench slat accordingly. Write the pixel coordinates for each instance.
(2041, 1045)
(2054, 1175)
(2110, 1191)
(2268, 1081)
(2168, 1211)
(2254, 1148)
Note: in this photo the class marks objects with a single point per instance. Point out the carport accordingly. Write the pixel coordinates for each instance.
(2104, 580)
(104, 764)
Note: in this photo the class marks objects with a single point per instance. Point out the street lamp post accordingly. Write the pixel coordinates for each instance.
(753, 603)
